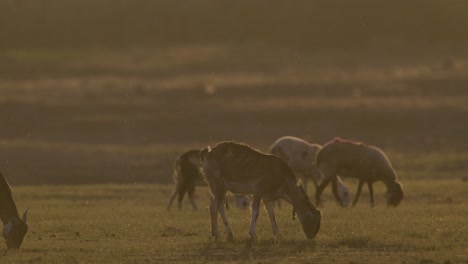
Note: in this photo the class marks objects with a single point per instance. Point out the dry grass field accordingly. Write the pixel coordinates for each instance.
(97, 99)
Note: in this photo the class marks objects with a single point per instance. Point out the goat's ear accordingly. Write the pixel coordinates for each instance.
(300, 183)
(204, 152)
(7, 229)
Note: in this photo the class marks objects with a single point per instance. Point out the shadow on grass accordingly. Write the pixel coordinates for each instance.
(246, 249)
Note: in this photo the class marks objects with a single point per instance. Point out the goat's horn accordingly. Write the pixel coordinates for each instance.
(25, 216)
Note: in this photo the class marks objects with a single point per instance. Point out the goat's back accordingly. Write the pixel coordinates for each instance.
(236, 162)
(187, 166)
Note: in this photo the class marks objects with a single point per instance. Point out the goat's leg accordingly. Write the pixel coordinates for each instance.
(192, 201)
(271, 214)
(255, 212)
(371, 194)
(222, 212)
(358, 193)
(191, 195)
(180, 199)
(214, 217)
(173, 196)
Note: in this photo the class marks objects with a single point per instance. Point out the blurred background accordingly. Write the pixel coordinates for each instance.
(111, 91)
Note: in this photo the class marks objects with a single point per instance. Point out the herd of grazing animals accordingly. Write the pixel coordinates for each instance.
(242, 170)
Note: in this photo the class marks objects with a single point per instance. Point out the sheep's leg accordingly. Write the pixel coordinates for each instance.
(227, 227)
(173, 196)
(335, 191)
(255, 212)
(320, 189)
(271, 215)
(359, 188)
(371, 193)
(316, 177)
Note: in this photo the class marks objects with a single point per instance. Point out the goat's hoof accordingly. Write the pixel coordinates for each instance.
(251, 242)
(278, 238)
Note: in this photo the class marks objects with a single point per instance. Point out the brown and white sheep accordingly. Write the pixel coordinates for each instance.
(238, 168)
(300, 156)
(353, 159)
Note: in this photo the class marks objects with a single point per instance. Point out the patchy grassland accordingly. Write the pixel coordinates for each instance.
(130, 224)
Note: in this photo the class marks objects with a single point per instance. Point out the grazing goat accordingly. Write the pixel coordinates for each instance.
(300, 156)
(366, 163)
(238, 168)
(187, 174)
(14, 228)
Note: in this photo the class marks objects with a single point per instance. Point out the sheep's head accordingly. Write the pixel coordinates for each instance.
(15, 230)
(395, 194)
(343, 193)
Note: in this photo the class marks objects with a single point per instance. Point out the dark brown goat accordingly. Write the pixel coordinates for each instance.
(186, 174)
(14, 228)
(237, 168)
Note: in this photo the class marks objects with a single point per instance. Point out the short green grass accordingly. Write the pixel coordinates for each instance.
(130, 224)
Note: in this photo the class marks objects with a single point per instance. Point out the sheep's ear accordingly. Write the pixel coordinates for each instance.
(7, 229)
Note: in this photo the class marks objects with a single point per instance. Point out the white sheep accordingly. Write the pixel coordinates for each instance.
(300, 156)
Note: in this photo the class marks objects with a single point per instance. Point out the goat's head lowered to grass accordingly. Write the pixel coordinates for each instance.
(14, 228)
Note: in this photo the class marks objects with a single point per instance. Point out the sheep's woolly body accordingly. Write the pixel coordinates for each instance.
(300, 156)
(357, 160)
